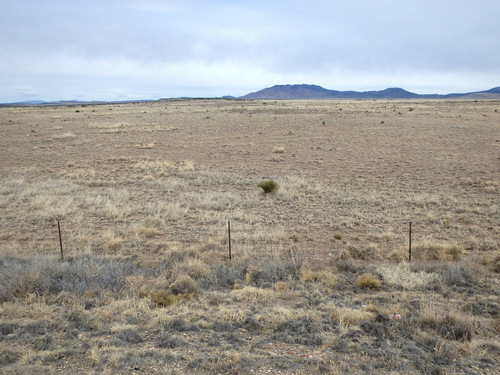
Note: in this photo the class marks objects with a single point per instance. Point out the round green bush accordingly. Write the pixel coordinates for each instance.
(269, 186)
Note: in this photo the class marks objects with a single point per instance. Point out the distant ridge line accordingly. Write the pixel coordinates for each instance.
(304, 91)
(289, 92)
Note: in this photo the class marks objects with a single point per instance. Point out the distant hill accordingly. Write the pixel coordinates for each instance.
(291, 92)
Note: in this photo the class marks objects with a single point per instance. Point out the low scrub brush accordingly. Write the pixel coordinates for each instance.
(184, 288)
(323, 277)
(367, 280)
(269, 186)
(347, 317)
(430, 251)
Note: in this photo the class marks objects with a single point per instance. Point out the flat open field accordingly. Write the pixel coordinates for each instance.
(319, 269)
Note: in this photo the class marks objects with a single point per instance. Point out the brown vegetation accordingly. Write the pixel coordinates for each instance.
(319, 281)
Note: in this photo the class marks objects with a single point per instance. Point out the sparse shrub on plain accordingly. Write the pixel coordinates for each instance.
(8, 357)
(347, 317)
(370, 252)
(148, 232)
(180, 325)
(112, 242)
(183, 285)
(192, 267)
(453, 252)
(279, 150)
(268, 271)
(323, 277)
(170, 341)
(450, 325)
(303, 331)
(281, 286)
(223, 276)
(446, 274)
(457, 275)
(367, 280)
(347, 265)
(404, 276)
(431, 251)
(184, 288)
(254, 295)
(495, 264)
(397, 256)
(268, 186)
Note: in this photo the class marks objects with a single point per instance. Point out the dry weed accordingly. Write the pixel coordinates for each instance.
(323, 277)
(431, 251)
(347, 317)
(367, 280)
(402, 276)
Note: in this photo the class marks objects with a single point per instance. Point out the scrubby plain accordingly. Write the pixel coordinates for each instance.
(319, 280)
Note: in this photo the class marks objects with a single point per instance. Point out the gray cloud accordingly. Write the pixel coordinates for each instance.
(122, 49)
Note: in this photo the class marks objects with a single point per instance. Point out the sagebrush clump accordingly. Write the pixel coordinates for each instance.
(367, 280)
(183, 288)
(323, 277)
(269, 186)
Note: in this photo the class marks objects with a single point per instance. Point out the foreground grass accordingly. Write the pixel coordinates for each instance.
(91, 314)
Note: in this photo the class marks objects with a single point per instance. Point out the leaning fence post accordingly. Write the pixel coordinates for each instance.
(60, 239)
(409, 243)
(229, 237)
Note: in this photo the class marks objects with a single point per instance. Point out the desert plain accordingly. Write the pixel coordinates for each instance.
(319, 279)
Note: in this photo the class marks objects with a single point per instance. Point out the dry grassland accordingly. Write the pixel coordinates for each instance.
(319, 281)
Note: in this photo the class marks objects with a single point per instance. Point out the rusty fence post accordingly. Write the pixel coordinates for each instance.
(229, 237)
(409, 243)
(60, 239)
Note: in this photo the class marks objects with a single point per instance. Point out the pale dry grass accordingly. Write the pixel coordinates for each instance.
(145, 192)
(403, 276)
(254, 295)
(433, 251)
(348, 317)
(323, 277)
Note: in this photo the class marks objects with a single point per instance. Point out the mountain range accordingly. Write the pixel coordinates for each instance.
(297, 92)
(294, 92)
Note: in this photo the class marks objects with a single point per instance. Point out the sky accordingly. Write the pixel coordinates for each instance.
(150, 49)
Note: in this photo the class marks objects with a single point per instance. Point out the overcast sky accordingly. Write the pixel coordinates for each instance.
(150, 49)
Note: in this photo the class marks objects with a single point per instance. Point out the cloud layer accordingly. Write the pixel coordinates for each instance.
(120, 49)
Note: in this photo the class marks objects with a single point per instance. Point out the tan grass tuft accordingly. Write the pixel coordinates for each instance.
(183, 288)
(347, 317)
(112, 243)
(323, 277)
(402, 276)
(431, 251)
(193, 267)
(281, 286)
(254, 295)
(451, 325)
(368, 281)
(148, 232)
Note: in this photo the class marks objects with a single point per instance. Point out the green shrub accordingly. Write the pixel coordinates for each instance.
(367, 280)
(269, 186)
